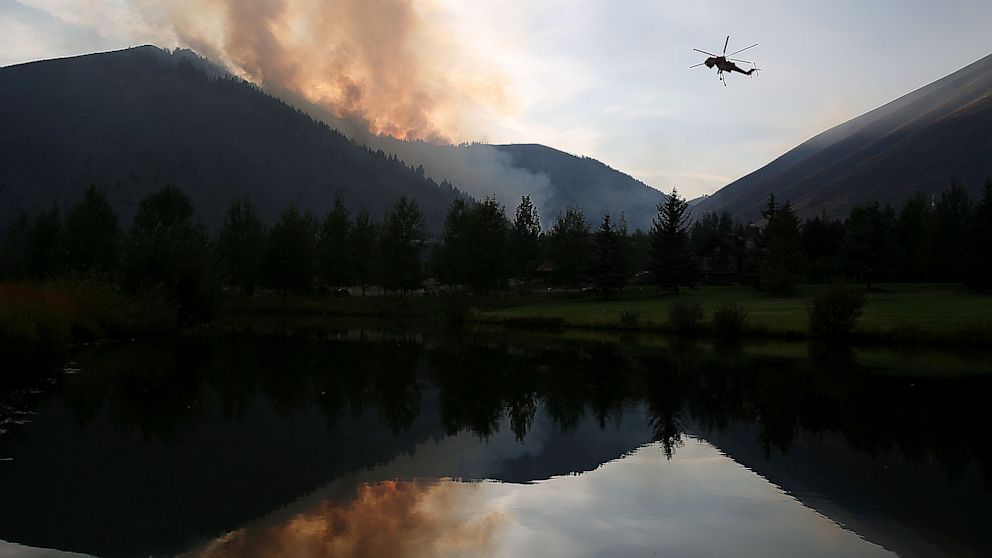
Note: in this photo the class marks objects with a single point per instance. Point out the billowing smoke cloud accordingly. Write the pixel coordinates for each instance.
(374, 61)
(390, 518)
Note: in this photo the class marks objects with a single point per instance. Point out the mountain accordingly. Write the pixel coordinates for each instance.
(917, 143)
(134, 120)
(554, 179)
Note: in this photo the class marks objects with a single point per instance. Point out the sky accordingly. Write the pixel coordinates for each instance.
(597, 78)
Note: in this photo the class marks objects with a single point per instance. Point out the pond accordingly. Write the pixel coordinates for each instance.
(372, 442)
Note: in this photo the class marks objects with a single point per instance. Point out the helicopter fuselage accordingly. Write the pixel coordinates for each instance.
(725, 65)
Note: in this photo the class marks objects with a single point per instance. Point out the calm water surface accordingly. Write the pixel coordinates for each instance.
(360, 443)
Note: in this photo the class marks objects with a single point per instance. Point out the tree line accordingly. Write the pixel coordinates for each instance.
(166, 251)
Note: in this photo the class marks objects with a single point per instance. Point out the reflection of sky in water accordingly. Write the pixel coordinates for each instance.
(700, 503)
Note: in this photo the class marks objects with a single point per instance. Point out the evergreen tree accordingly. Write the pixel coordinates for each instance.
(821, 239)
(362, 247)
(487, 266)
(166, 251)
(672, 259)
(568, 243)
(92, 236)
(914, 238)
(335, 265)
(609, 267)
(869, 242)
(978, 268)
(241, 246)
(526, 240)
(452, 256)
(290, 262)
(401, 242)
(782, 263)
(950, 233)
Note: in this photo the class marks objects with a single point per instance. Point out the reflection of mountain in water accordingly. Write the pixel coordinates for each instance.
(155, 449)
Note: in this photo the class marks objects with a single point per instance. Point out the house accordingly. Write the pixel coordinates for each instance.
(721, 259)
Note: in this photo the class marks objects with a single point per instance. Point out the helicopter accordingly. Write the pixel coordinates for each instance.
(724, 62)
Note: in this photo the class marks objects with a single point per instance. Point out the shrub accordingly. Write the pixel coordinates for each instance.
(685, 316)
(728, 319)
(630, 318)
(835, 311)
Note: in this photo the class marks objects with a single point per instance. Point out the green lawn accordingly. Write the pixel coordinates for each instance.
(929, 309)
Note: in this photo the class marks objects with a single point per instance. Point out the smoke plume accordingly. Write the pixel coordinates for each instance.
(390, 518)
(379, 62)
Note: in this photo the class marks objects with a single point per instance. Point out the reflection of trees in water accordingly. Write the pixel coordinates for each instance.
(165, 391)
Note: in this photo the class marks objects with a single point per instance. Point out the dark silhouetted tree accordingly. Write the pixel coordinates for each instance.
(92, 235)
(822, 239)
(290, 262)
(869, 242)
(335, 265)
(488, 263)
(241, 246)
(401, 243)
(950, 233)
(568, 245)
(915, 240)
(672, 259)
(362, 245)
(166, 251)
(525, 242)
(13, 257)
(978, 268)
(608, 265)
(45, 246)
(451, 257)
(782, 262)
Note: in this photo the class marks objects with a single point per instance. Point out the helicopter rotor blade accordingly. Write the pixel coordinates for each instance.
(704, 52)
(696, 65)
(739, 60)
(743, 49)
(725, 45)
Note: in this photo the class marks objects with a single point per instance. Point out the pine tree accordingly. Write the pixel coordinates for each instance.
(487, 266)
(241, 246)
(362, 247)
(978, 268)
(869, 242)
(783, 260)
(401, 242)
(568, 244)
(335, 265)
(92, 236)
(672, 259)
(290, 263)
(451, 257)
(526, 240)
(608, 268)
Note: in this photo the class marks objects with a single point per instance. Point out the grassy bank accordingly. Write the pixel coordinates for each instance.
(897, 312)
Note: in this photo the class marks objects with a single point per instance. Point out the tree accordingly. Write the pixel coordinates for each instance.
(609, 268)
(92, 235)
(451, 258)
(335, 265)
(913, 233)
(672, 259)
(290, 262)
(782, 263)
(362, 248)
(568, 243)
(525, 240)
(401, 242)
(821, 239)
(869, 242)
(488, 246)
(950, 233)
(978, 268)
(241, 246)
(166, 251)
